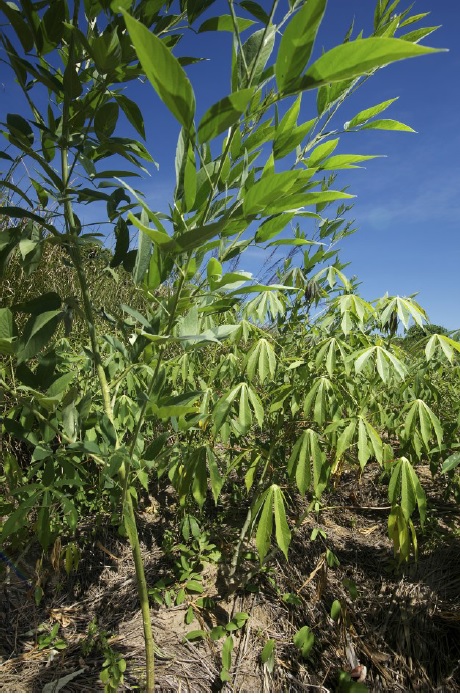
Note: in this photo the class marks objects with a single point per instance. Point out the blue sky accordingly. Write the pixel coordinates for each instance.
(407, 208)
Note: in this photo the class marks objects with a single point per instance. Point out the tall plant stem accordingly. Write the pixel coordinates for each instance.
(128, 508)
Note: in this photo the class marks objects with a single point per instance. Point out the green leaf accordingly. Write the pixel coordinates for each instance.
(256, 50)
(132, 113)
(451, 463)
(304, 640)
(223, 114)
(297, 42)
(273, 226)
(225, 23)
(16, 19)
(265, 527)
(336, 610)
(267, 656)
(37, 333)
(200, 480)
(50, 301)
(106, 119)
(369, 113)
(227, 649)
(20, 128)
(195, 635)
(194, 586)
(283, 534)
(357, 58)
(387, 124)
(164, 71)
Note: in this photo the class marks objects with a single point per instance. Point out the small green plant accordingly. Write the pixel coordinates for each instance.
(267, 656)
(113, 666)
(304, 640)
(49, 638)
(218, 632)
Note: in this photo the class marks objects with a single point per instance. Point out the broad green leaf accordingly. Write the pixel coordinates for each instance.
(216, 479)
(50, 301)
(287, 142)
(273, 226)
(158, 237)
(256, 51)
(256, 10)
(244, 415)
(304, 640)
(345, 439)
(37, 333)
(267, 656)
(336, 610)
(368, 113)
(132, 112)
(257, 406)
(357, 58)
(200, 482)
(387, 124)
(345, 161)
(297, 42)
(225, 23)
(105, 120)
(322, 152)
(283, 534)
(265, 527)
(451, 463)
(164, 72)
(7, 327)
(223, 114)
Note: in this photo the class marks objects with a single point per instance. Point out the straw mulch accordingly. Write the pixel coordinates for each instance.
(404, 625)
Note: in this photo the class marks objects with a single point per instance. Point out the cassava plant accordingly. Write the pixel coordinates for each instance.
(216, 358)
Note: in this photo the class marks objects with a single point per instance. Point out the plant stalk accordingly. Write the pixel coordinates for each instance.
(128, 509)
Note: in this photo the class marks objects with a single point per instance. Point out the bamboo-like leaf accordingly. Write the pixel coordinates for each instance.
(297, 42)
(322, 152)
(225, 23)
(387, 124)
(368, 113)
(164, 72)
(283, 534)
(357, 58)
(223, 114)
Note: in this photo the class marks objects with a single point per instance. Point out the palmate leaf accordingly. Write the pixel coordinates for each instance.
(428, 427)
(307, 457)
(405, 489)
(261, 357)
(164, 72)
(265, 526)
(283, 534)
(356, 58)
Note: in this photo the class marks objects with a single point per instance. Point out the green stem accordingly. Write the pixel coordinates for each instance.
(128, 509)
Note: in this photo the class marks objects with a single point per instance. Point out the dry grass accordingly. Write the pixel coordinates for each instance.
(404, 625)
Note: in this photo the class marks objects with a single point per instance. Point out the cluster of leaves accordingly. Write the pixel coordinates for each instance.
(215, 383)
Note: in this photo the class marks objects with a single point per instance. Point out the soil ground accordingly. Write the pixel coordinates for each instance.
(403, 625)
